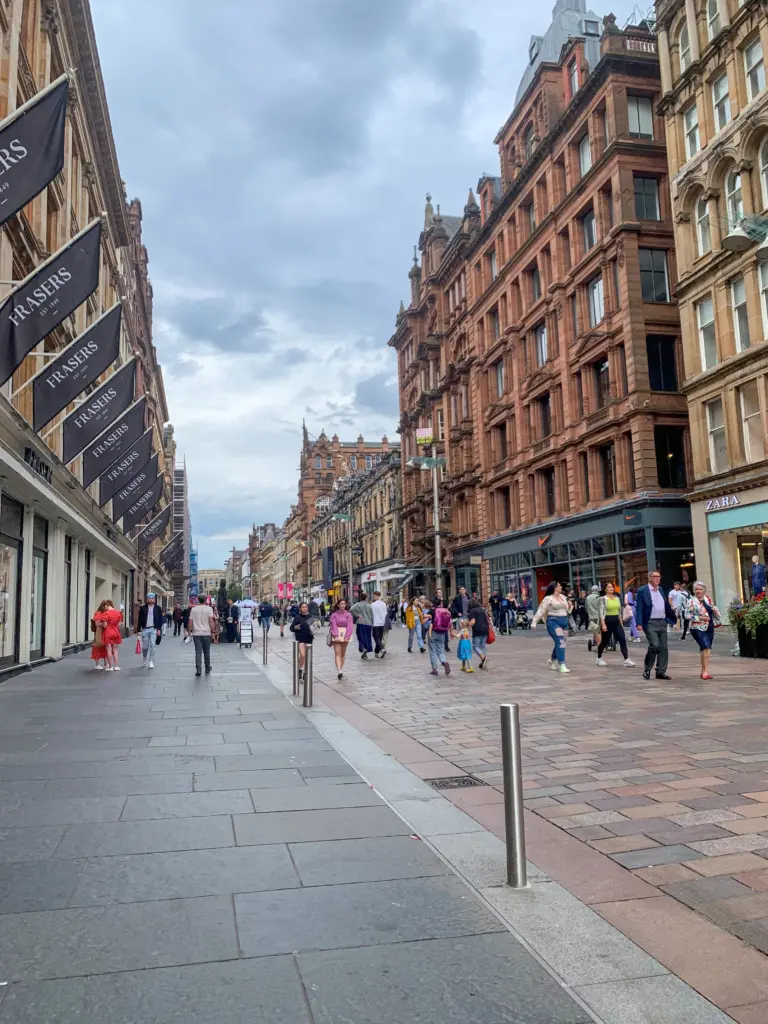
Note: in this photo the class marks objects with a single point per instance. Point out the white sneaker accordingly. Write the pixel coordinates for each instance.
(117, 669)
(109, 669)
(628, 663)
(144, 663)
(99, 668)
(563, 670)
(552, 665)
(151, 664)
(602, 663)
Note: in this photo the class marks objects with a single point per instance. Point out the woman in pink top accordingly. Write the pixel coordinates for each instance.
(342, 628)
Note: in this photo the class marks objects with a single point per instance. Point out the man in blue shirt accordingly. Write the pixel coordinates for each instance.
(653, 614)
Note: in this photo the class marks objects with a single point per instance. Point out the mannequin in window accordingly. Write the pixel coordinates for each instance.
(758, 576)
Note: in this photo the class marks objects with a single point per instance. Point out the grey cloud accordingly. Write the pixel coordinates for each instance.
(379, 395)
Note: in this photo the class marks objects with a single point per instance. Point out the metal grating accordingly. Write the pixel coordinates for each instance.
(456, 782)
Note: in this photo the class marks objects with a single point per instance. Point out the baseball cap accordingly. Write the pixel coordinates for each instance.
(151, 595)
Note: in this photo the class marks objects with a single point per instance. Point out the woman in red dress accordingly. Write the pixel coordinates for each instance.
(98, 650)
(110, 618)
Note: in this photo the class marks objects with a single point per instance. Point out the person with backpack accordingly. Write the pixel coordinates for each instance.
(439, 630)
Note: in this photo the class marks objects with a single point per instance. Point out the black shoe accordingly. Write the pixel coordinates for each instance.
(646, 673)
(340, 675)
(377, 655)
(364, 656)
(662, 675)
(198, 673)
(410, 650)
(423, 650)
(383, 654)
(208, 671)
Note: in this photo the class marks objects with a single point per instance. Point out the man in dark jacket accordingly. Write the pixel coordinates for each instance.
(178, 619)
(149, 628)
(266, 611)
(233, 617)
(460, 604)
(654, 613)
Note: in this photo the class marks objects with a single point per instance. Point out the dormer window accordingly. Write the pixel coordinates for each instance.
(533, 50)
(591, 28)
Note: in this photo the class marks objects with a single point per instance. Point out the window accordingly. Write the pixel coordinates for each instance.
(440, 425)
(591, 28)
(713, 18)
(753, 433)
(548, 478)
(545, 416)
(584, 460)
(505, 511)
(646, 198)
(353, 462)
(493, 269)
(596, 301)
(670, 456)
(529, 212)
(684, 47)
(535, 284)
(733, 199)
(718, 449)
(498, 370)
(607, 457)
(740, 314)
(754, 68)
(528, 144)
(589, 230)
(691, 124)
(318, 462)
(764, 296)
(654, 282)
(573, 78)
(494, 325)
(575, 314)
(703, 234)
(585, 155)
(540, 335)
(616, 283)
(705, 316)
(368, 462)
(631, 464)
(662, 371)
(329, 462)
(764, 172)
(621, 362)
(500, 442)
(640, 117)
(720, 102)
(579, 395)
(602, 382)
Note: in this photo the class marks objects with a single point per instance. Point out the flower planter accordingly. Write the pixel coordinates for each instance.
(761, 642)
(746, 644)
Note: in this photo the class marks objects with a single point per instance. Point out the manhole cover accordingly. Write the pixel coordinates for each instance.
(458, 782)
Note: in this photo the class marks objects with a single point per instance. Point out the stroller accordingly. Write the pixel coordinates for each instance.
(594, 641)
(521, 620)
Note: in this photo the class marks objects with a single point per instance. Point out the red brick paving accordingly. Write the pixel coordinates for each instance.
(629, 785)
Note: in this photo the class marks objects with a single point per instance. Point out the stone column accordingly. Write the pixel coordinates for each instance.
(662, 43)
(693, 29)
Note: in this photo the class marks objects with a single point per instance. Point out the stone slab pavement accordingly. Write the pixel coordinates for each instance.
(181, 849)
(648, 801)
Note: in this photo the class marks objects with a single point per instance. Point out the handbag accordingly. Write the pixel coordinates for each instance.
(627, 613)
(329, 641)
(138, 645)
(491, 635)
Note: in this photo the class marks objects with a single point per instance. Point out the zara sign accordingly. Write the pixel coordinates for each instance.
(727, 501)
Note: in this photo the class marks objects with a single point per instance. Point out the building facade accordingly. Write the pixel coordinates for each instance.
(60, 551)
(715, 106)
(541, 347)
(209, 580)
(182, 577)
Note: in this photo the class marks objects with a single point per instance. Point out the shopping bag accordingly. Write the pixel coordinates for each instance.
(138, 645)
(491, 635)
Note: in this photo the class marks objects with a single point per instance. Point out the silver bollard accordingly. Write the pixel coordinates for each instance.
(308, 676)
(517, 875)
(295, 668)
(264, 659)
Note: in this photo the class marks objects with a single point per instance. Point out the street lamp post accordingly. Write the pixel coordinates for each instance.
(346, 517)
(434, 463)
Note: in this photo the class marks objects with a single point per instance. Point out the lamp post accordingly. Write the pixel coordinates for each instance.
(434, 463)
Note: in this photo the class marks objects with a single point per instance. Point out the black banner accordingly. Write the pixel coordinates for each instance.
(99, 409)
(42, 300)
(127, 494)
(126, 467)
(114, 442)
(32, 147)
(173, 551)
(156, 529)
(144, 503)
(77, 366)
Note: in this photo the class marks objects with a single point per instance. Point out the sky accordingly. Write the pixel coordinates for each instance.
(282, 153)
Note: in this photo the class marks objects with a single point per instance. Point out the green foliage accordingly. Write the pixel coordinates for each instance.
(235, 592)
(755, 614)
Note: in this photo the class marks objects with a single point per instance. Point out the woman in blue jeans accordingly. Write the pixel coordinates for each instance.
(554, 609)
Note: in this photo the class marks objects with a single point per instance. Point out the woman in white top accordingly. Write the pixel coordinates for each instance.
(555, 609)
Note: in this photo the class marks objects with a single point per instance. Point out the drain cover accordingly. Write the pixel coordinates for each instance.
(457, 782)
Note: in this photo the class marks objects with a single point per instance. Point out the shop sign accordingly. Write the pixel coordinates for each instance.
(424, 435)
(35, 463)
(475, 559)
(727, 501)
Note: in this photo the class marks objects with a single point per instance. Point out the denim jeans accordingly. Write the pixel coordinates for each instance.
(556, 627)
(364, 637)
(437, 649)
(202, 649)
(148, 641)
(416, 631)
(479, 645)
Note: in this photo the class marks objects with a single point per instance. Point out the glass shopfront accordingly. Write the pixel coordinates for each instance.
(38, 588)
(11, 545)
(736, 535)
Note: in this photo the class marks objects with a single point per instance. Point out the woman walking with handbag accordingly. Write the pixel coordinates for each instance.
(340, 634)
(98, 650)
(413, 619)
(481, 626)
(703, 616)
(301, 627)
(629, 615)
(610, 626)
(110, 619)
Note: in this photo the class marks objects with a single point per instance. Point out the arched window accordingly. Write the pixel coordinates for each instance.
(713, 18)
(733, 199)
(703, 237)
(684, 47)
(528, 145)
(764, 172)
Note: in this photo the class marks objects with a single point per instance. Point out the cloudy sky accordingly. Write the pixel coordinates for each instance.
(282, 152)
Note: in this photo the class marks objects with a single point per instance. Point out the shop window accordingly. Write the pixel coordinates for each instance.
(670, 456)
(632, 540)
(68, 590)
(640, 117)
(703, 233)
(753, 431)
(646, 198)
(684, 47)
(601, 370)
(740, 314)
(718, 448)
(607, 456)
(754, 68)
(672, 537)
(654, 280)
(87, 557)
(11, 545)
(691, 127)
(596, 300)
(604, 545)
(721, 103)
(705, 316)
(589, 231)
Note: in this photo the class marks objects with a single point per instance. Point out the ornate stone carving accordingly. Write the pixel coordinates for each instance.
(49, 17)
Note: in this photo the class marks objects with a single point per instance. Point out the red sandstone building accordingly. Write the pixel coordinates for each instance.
(542, 342)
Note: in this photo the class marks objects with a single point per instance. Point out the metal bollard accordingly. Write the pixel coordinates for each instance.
(295, 668)
(264, 658)
(517, 875)
(308, 677)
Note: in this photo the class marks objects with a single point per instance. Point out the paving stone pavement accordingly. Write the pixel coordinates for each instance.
(250, 877)
(634, 789)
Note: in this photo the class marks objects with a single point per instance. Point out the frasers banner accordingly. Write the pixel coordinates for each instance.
(126, 467)
(114, 442)
(156, 529)
(78, 366)
(47, 296)
(130, 492)
(173, 552)
(100, 408)
(143, 504)
(32, 147)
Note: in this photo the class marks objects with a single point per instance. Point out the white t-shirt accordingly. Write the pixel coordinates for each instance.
(676, 598)
(380, 613)
(200, 620)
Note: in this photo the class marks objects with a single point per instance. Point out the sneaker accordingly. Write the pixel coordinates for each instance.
(483, 661)
(552, 665)
(207, 671)
(447, 668)
(117, 668)
(99, 668)
(470, 669)
(433, 672)
(340, 675)
(423, 650)
(602, 663)
(198, 673)
(109, 669)
(637, 639)
(383, 654)
(151, 664)
(628, 663)
(364, 656)
(377, 655)
(410, 650)
(563, 670)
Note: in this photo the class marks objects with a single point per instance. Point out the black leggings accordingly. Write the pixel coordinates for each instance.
(613, 628)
